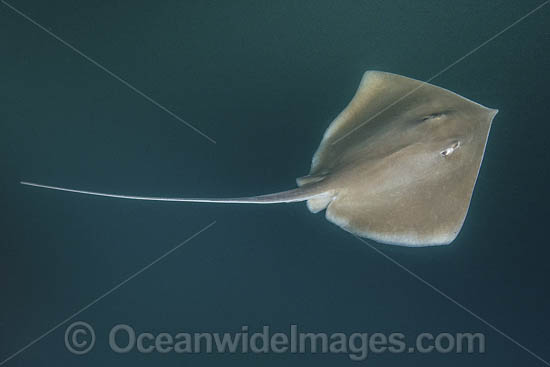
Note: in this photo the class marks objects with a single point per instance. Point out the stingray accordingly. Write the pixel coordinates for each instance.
(398, 165)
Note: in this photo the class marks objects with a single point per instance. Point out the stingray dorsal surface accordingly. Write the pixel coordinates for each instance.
(400, 162)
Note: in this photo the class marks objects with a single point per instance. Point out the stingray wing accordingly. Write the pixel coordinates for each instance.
(402, 160)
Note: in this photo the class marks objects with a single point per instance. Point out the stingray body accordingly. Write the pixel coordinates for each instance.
(398, 165)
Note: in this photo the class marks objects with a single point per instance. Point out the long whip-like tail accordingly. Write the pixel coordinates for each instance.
(294, 195)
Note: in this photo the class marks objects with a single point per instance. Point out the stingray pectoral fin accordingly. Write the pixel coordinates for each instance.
(289, 196)
(421, 215)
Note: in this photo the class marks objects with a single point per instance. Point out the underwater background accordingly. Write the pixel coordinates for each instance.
(263, 79)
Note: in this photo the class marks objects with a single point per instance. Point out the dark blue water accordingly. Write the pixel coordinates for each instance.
(263, 79)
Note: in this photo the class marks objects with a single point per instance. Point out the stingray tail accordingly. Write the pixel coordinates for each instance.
(299, 194)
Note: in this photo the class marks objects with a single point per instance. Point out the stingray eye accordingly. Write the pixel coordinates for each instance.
(450, 150)
(433, 116)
